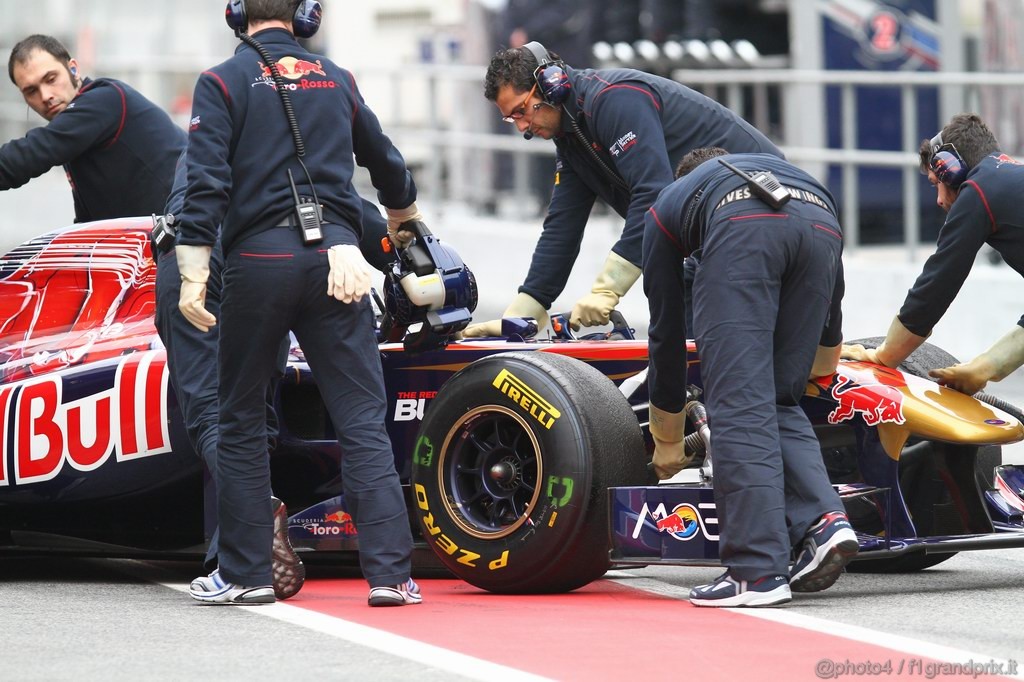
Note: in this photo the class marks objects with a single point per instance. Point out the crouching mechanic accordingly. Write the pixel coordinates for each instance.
(117, 148)
(242, 165)
(979, 187)
(767, 294)
(617, 133)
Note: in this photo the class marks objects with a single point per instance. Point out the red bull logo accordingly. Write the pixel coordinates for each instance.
(876, 402)
(1005, 158)
(48, 436)
(338, 517)
(682, 523)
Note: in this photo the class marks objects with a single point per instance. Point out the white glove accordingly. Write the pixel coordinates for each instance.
(995, 364)
(349, 276)
(667, 431)
(194, 267)
(523, 305)
(612, 283)
(396, 216)
(899, 343)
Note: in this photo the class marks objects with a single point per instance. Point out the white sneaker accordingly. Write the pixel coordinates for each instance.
(212, 589)
(399, 595)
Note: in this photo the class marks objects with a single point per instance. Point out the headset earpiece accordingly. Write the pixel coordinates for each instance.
(948, 167)
(235, 16)
(74, 71)
(305, 21)
(552, 80)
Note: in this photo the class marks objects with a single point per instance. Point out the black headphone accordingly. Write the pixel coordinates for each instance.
(552, 80)
(305, 21)
(947, 164)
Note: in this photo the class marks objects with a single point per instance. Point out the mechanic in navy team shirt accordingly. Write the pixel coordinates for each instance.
(192, 364)
(241, 156)
(617, 133)
(766, 316)
(117, 147)
(980, 188)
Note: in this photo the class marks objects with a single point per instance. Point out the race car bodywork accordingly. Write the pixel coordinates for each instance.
(525, 461)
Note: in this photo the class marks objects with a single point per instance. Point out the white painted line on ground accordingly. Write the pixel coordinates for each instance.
(857, 633)
(394, 645)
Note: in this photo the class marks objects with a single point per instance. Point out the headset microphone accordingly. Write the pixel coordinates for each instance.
(527, 135)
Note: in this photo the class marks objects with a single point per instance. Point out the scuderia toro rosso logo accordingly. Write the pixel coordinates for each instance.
(299, 70)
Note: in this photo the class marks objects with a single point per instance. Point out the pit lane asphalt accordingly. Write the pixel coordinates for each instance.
(75, 619)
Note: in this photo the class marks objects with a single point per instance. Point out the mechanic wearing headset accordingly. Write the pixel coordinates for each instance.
(243, 152)
(615, 131)
(979, 187)
(117, 148)
(767, 295)
(192, 364)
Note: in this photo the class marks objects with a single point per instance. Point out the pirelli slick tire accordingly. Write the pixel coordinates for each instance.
(511, 470)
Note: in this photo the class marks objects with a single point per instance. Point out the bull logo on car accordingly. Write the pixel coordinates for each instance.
(875, 401)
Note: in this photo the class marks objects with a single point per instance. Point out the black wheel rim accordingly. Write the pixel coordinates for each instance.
(490, 472)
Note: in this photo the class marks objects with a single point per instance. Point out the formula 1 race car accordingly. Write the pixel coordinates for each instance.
(525, 459)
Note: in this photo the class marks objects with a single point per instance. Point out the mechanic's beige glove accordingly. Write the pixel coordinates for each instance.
(349, 276)
(612, 283)
(523, 305)
(194, 267)
(899, 343)
(667, 431)
(995, 364)
(825, 360)
(396, 216)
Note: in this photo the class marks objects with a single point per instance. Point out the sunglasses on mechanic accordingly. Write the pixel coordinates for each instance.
(520, 111)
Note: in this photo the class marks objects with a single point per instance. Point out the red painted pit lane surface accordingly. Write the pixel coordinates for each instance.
(602, 631)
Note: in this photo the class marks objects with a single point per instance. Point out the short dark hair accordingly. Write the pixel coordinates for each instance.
(270, 10)
(24, 49)
(695, 158)
(971, 137)
(513, 66)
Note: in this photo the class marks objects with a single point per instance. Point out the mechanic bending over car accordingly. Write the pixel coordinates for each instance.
(117, 148)
(284, 234)
(767, 295)
(617, 133)
(979, 187)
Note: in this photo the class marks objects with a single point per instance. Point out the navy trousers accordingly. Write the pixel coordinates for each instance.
(192, 362)
(761, 297)
(273, 283)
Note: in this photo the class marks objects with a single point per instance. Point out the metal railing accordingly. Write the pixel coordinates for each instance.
(441, 124)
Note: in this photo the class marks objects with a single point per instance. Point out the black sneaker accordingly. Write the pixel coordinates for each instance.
(727, 591)
(829, 545)
(288, 571)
